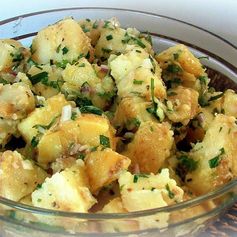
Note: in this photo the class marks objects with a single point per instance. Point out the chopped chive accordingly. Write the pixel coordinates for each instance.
(215, 161)
(38, 77)
(104, 141)
(65, 50)
(170, 193)
(137, 82)
(109, 37)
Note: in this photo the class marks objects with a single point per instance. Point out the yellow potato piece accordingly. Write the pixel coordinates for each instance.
(219, 147)
(151, 146)
(85, 130)
(65, 40)
(42, 116)
(103, 167)
(74, 196)
(18, 176)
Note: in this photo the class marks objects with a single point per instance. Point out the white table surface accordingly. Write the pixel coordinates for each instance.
(217, 16)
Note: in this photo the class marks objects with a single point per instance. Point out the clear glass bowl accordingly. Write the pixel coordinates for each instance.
(187, 218)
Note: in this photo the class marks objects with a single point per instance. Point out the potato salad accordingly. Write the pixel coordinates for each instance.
(92, 119)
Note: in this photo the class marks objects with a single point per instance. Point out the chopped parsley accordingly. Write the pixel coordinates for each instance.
(34, 141)
(37, 126)
(17, 57)
(95, 25)
(106, 24)
(81, 156)
(38, 77)
(85, 30)
(109, 37)
(154, 109)
(137, 176)
(215, 161)
(62, 64)
(137, 82)
(107, 95)
(176, 56)
(91, 109)
(39, 186)
(203, 80)
(105, 50)
(170, 193)
(82, 65)
(3, 81)
(74, 116)
(173, 68)
(65, 50)
(216, 96)
(185, 165)
(104, 141)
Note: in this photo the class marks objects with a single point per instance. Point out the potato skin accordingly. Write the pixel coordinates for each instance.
(85, 130)
(151, 146)
(103, 167)
(205, 178)
(75, 195)
(65, 40)
(18, 176)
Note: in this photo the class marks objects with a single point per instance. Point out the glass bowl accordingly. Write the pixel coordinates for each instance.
(186, 218)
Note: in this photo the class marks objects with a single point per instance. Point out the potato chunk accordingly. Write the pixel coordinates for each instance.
(179, 64)
(103, 167)
(65, 40)
(130, 112)
(43, 116)
(65, 191)
(85, 130)
(18, 176)
(16, 101)
(133, 72)
(114, 40)
(81, 79)
(51, 80)
(183, 104)
(151, 146)
(8, 48)
(142, 192)
(217, 163)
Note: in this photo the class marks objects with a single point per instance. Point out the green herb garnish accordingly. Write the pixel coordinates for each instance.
(34, 141)
(105, 50)
(214, 162)
(104, 141)
(170, 193)
(65, 50)
(38, 77)
(176, 56)
(109, 37)
(173, 68)
(137, 82)
(136, 176)
(91, 109)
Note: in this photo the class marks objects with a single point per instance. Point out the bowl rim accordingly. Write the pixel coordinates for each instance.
(116, 9)
(103, 216)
